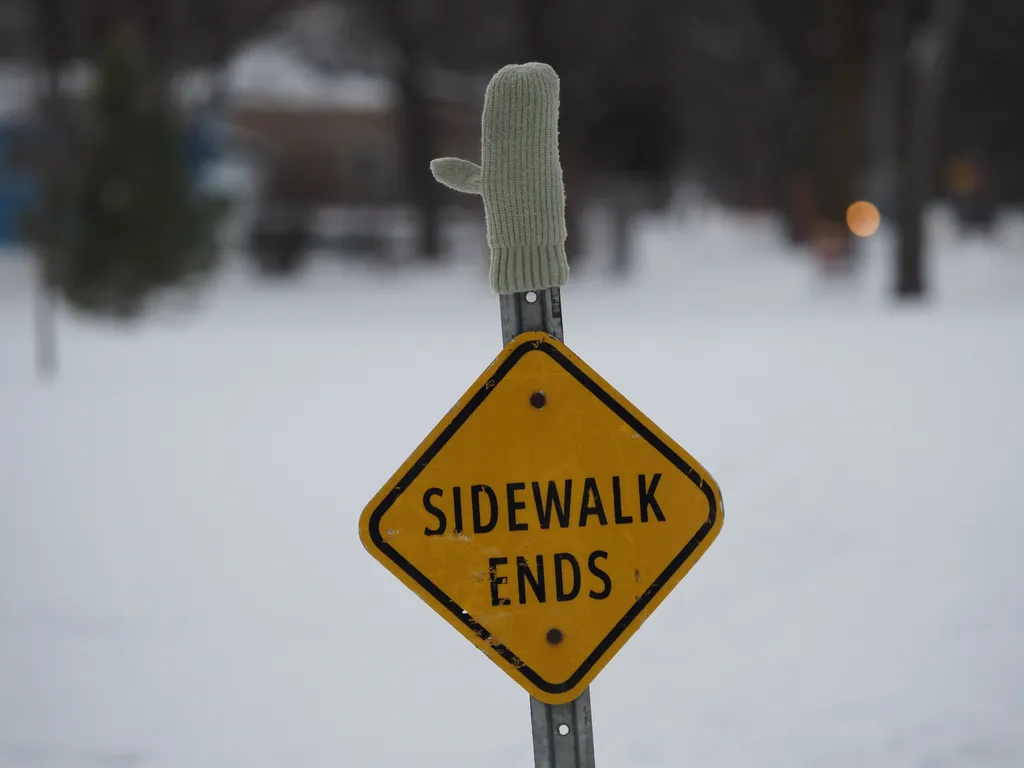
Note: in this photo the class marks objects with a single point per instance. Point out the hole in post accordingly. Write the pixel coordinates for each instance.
(531, 297)
(563, 730)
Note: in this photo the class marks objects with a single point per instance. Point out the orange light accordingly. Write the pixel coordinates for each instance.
(863, 218)
(961, 177)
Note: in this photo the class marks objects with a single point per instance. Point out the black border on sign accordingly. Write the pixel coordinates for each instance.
(478, 629)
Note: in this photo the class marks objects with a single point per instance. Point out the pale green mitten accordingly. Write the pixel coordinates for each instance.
(519, 178)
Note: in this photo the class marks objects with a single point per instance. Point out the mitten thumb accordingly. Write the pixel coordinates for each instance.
(460, 175)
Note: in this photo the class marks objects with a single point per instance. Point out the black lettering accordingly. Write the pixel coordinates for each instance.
(496, 580)
(560, 594)
(514, 505)
(478, 524)
(442, 524)
(620, 518)
(591, 504)
(647, 498)
(600, 574)
(458, 510)
(561, 505)
(525, 575)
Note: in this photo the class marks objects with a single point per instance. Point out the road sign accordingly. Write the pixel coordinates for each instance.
(545, 517)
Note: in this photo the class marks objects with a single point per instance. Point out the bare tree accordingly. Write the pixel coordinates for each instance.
(409, 28)
(934, 47)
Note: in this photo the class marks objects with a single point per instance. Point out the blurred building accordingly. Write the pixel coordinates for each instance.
(328, 145)
(335, 139)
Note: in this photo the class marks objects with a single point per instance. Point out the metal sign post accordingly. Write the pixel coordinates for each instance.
(531, 311)
(547, 548)
(563, 734)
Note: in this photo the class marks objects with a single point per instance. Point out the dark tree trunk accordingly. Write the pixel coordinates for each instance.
(886, 51)
(45, 328)
(159, 26)
(622, 241)
(839, 146)
(922, 143)
(626, 197)
(416, 128)
(417, 141)
(535, 19)
(574, 206)
(55, 44)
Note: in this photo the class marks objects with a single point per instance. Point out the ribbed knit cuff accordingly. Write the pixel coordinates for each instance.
(519, 268)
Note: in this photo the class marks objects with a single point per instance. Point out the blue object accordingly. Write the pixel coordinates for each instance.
(17, 189)
(201, 145)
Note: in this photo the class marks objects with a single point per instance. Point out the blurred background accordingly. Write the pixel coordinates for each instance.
(290, 128)
(233, 300)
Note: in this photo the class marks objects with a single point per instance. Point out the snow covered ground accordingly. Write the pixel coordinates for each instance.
(182, 584)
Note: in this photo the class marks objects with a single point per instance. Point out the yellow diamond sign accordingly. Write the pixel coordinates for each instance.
(544, 518)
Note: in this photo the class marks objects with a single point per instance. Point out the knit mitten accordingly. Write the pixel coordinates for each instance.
(519, 178)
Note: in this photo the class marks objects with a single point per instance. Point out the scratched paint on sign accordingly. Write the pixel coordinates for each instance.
(545, 517)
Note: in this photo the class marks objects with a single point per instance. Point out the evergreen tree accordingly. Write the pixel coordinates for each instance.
(120, 217)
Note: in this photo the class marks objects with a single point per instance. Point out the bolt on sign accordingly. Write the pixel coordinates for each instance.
(544, 518)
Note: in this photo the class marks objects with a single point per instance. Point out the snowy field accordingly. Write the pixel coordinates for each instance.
(182, 583)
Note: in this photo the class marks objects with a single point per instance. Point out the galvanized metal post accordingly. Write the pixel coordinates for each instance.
(531, 311)
(563, 734)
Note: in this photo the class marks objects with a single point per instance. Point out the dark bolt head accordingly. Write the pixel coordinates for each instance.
(554, 636)
(538, 400)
